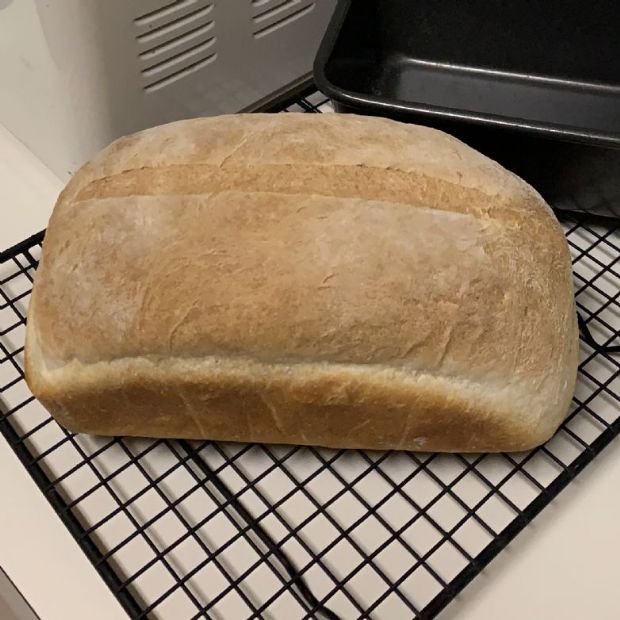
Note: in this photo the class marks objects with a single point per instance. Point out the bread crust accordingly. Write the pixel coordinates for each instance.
(315, 279)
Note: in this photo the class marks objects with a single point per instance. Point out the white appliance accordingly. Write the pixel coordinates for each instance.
(75, 74)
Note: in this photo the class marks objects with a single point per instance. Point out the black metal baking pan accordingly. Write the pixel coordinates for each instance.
(534, 84)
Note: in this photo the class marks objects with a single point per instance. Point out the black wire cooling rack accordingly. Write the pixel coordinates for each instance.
(212, 530)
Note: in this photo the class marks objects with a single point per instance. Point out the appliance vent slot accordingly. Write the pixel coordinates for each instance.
(181, 73)
(168, 13)
(174, 41)
(271, 15)
(163, 11)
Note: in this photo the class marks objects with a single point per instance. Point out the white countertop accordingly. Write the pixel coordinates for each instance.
(564, 565)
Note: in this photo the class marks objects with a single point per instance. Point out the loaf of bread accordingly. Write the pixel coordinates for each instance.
(327, 279)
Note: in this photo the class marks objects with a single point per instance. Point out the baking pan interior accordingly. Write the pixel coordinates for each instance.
(542, 62)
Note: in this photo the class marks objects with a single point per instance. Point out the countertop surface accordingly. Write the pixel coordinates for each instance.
(564, 565)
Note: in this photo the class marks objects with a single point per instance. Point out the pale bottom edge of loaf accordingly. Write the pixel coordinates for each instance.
(315, 403)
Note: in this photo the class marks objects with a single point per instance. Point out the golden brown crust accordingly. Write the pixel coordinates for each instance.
(310, 404)
(307, 255)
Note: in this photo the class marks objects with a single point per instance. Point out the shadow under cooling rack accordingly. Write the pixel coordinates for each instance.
(368, 534)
